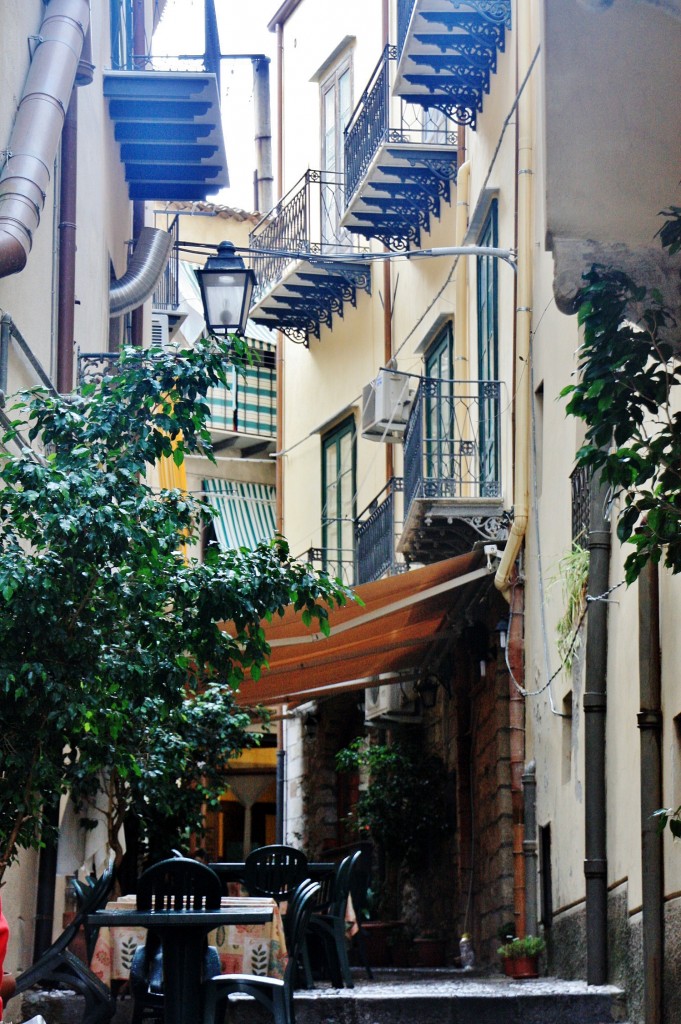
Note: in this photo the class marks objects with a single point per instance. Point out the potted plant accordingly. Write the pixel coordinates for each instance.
(520, 957)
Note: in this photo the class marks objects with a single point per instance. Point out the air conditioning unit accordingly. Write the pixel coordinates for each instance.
(159, 330)
(392, 701)
(386, 402)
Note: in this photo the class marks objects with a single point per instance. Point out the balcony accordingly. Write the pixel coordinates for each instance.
(169, 129)
(242, 418)
(452, 480)
(299, 296)
(400, 162)
(377, 529)
(447, 53)
(339, 564)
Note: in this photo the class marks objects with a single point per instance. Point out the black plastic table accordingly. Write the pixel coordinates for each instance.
(183, 934)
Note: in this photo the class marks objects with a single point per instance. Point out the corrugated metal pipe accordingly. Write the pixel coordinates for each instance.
(40, 116)
(147, 263)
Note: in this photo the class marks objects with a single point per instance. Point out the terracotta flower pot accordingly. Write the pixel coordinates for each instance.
(379, 939)
(521, 967)
(429, 952)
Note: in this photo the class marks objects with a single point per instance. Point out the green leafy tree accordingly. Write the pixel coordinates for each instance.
(405, 809)
(628, 373)
(112, 659)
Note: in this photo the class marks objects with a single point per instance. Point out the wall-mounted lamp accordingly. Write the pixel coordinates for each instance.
(426, 688)
(226, 289)
(501, 629)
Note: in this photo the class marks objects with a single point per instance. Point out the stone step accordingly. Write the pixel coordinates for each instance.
(407, 997)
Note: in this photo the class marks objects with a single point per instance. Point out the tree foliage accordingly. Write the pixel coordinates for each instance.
(628, 373)
(406, 806)
(112, 662)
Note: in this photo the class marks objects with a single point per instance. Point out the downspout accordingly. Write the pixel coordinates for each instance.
(37, 128)
(68, 192)
(650, 725)
(523, 316)
(387, 281)
(279, 467)
(595, 687)
(139, 46)
(263, 135)
(530, 848)
(463, 186)
(516, 722)
(145, 268)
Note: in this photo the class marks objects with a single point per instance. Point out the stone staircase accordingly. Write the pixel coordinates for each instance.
(400, 997)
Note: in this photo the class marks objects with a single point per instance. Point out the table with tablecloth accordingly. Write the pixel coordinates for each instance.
(243, 948)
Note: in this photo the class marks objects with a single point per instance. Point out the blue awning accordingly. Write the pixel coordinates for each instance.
(246, 512)
(169, 128)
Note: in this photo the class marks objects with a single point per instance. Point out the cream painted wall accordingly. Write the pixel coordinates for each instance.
(103, 227)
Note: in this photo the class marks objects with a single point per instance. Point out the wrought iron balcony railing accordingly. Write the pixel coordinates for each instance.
(447, 53)
(167, 291)
(376, 121)
(452, 441)
(580, 482)
(306, 220)
(247, 407)
(376, 532)
(340, 564)
(297, 295)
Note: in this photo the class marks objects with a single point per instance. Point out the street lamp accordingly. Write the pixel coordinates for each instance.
(226, 289)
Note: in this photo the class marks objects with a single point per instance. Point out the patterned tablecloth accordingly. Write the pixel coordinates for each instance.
(243, 948)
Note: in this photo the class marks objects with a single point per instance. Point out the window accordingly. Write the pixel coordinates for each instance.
(440, 441)
(336, 102)
(339, 506)
(121, 34)
(488, 355)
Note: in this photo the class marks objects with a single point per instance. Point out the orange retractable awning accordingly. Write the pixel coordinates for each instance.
(401, 618)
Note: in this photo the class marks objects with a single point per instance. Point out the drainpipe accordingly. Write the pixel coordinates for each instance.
(68, 192)
(595, 688)
(37, 128)
(5, 331)
(463, 186)
(523, 319)
(279, 471)
(387, 280)
(66, 287)
(530, 847)
(264, 199)
(650, 725)
(139, 45)
(516, 721)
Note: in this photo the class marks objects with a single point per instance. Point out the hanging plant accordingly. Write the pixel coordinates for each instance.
(573, 575)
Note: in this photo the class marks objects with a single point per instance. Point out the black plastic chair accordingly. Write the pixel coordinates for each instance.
(328, 923)
(274, 994)
(58, 965)
(175, 884)
(275, 871)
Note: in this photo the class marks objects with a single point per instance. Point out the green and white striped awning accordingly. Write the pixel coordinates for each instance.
(246, 512)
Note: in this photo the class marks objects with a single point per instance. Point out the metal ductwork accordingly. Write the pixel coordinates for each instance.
(147, 263)
(35, 137)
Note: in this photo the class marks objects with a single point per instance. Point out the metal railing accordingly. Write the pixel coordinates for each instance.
(579, 482)
(306, 220)
(340, 564)
(248, 407)
(377, 529)
(167, 291)
(376, 121)
(452, 441)
(404, 9)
